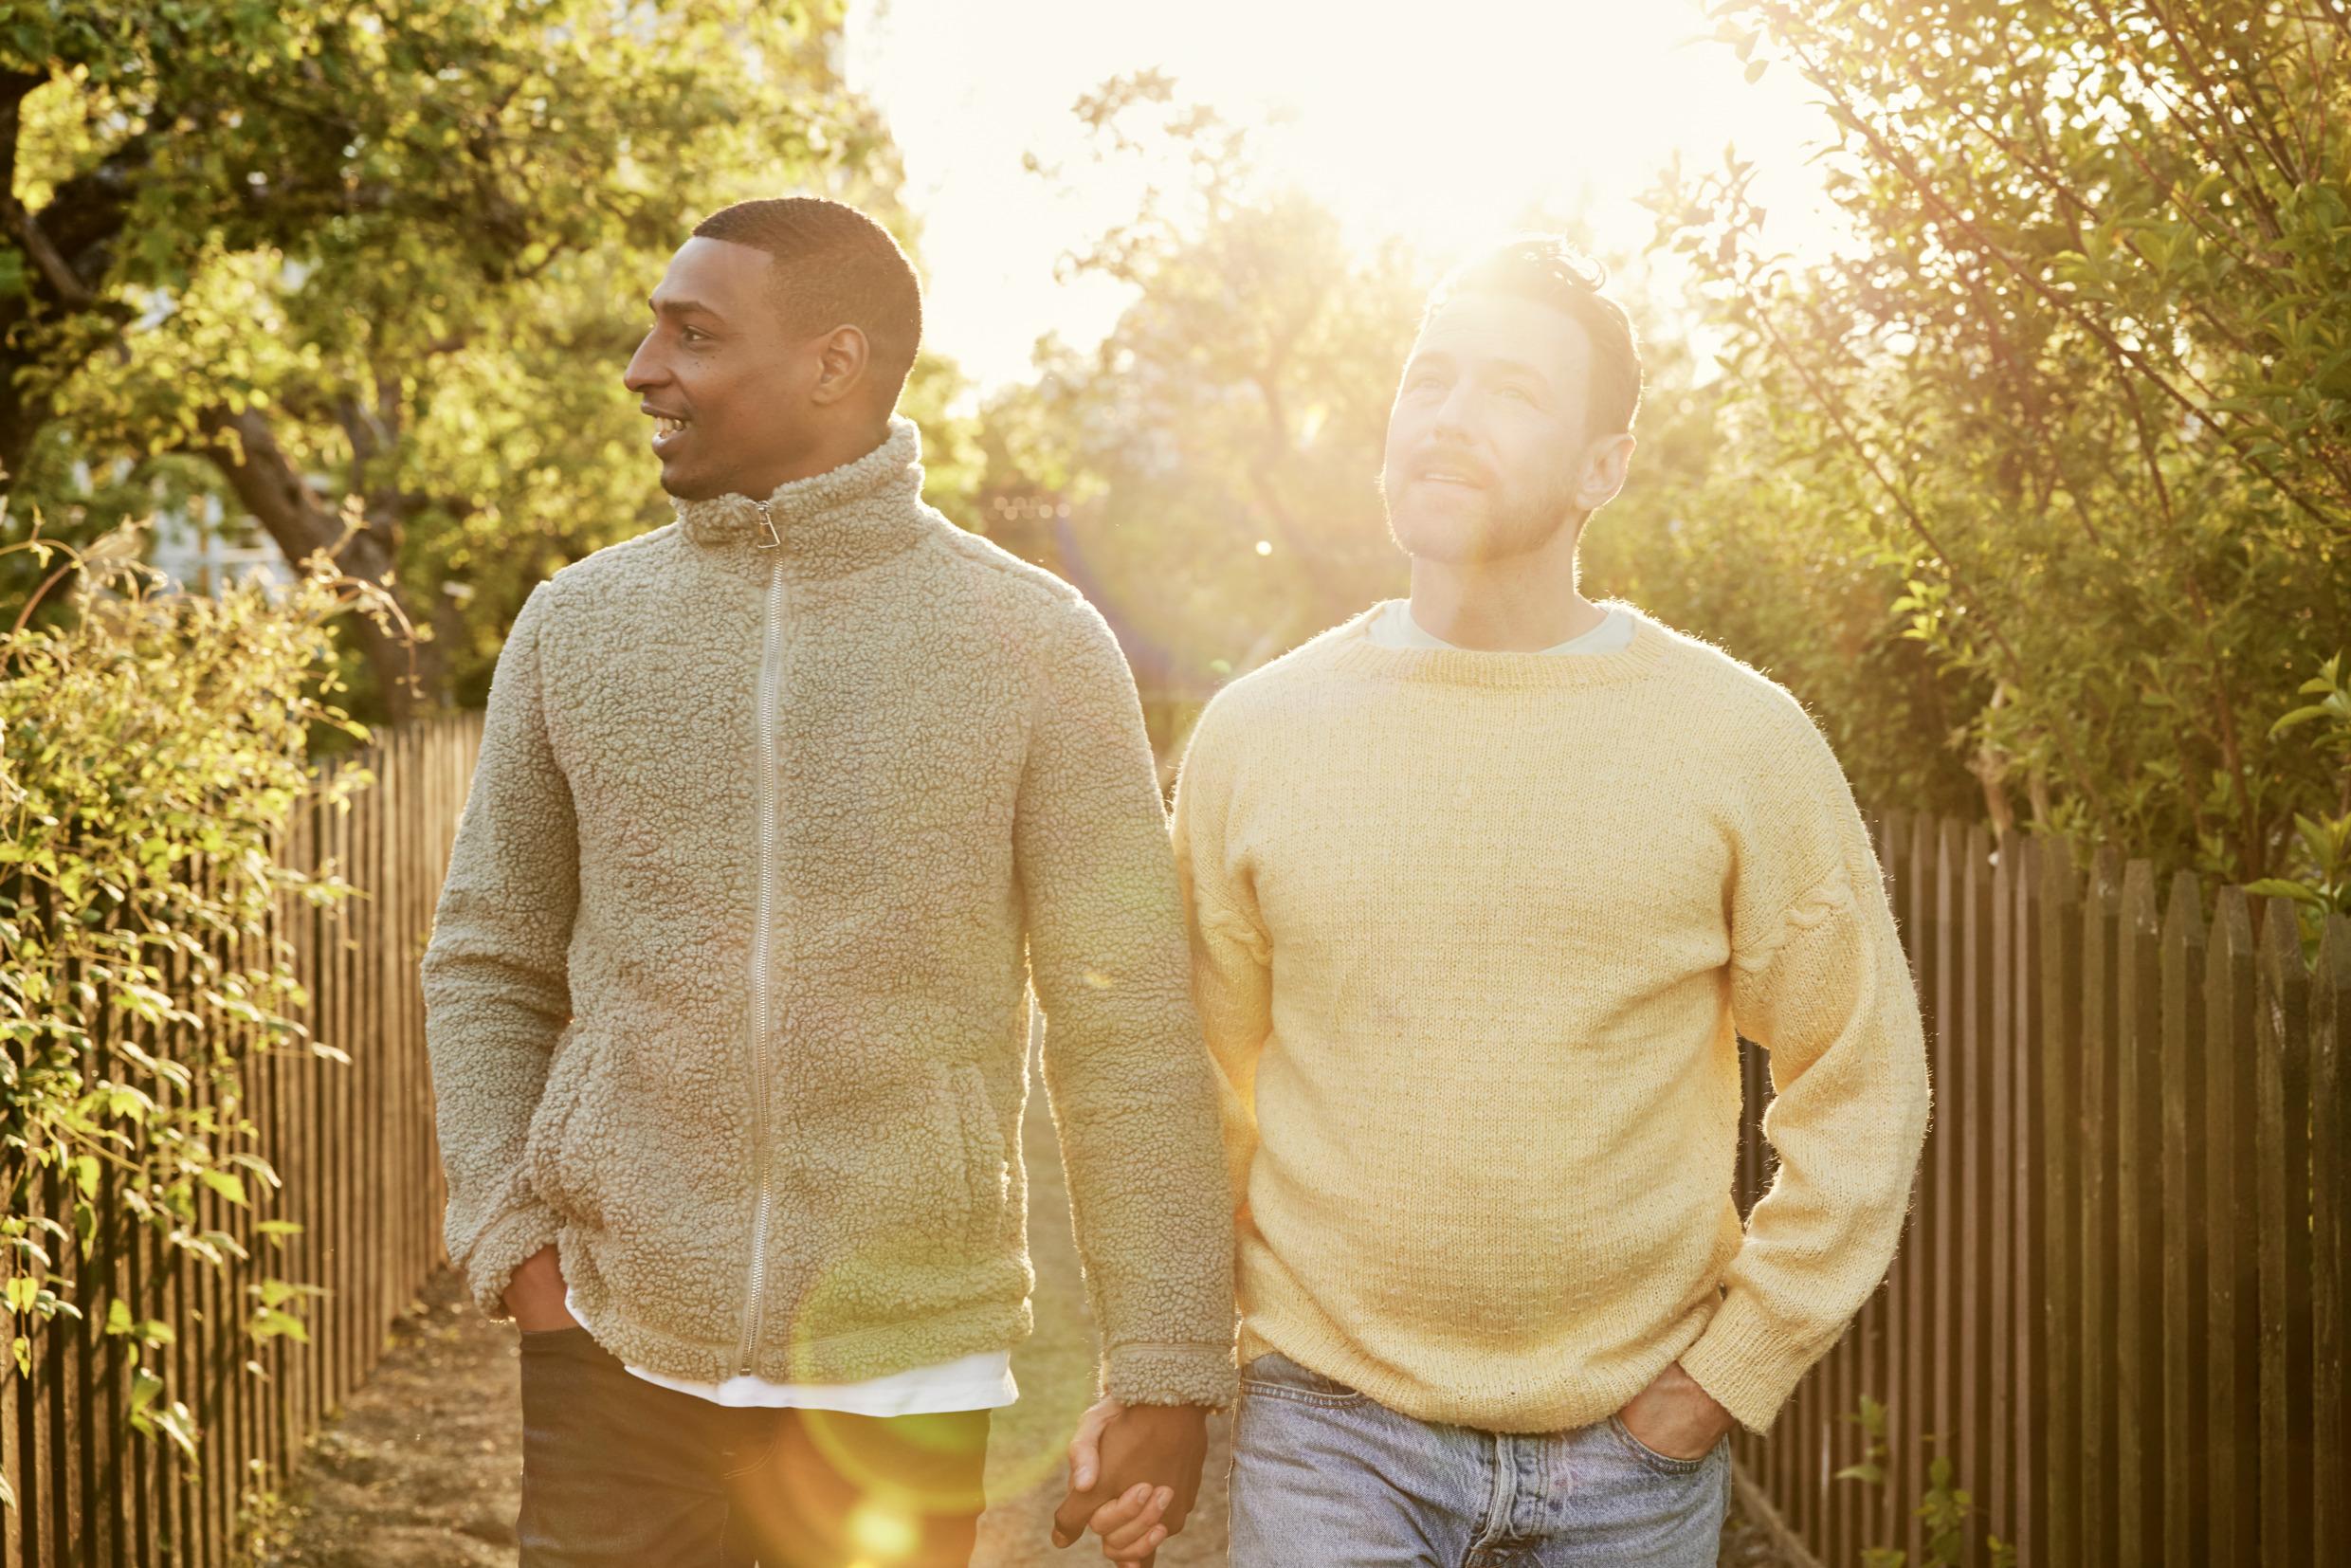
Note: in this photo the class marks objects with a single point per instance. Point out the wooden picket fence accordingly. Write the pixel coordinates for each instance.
(2118, 1310)
(2118, 1307)
(354, 1146)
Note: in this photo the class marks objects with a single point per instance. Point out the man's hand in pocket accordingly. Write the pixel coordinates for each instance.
(534, 1295)
(1673, 1417)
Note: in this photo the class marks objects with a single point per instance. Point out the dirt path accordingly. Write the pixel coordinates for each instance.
(421, 1470)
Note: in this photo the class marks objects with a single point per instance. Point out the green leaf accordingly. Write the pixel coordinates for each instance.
(227, 1183)
(145, 1385)
(176, 1424)
(269, 1323)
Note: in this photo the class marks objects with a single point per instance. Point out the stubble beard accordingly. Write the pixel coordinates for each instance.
(1515, 524)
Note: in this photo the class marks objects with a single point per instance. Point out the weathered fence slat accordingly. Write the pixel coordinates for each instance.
(2233, 1278)
(2003, 1206)
(2282, 1040)
(342, 1019)
(2138, 1219)
(2097, 1043)
(2020, 966)
(2184, 1180)
(2330, 1236)
(2058, 1061)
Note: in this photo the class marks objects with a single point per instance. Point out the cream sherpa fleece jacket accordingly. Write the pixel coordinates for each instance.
(779, 812)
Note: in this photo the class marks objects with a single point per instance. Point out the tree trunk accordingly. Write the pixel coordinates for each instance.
(409, 673)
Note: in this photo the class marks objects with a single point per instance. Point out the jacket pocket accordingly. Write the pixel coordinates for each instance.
(549, 1155)
(557, 1097)
(986, 1170)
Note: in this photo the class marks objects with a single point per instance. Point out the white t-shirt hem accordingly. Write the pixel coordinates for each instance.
(982, 1380)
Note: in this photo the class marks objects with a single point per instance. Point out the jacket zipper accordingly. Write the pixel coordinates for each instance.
(770, 697)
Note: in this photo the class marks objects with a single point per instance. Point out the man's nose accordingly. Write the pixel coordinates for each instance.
(1457, 414)
(645, 369)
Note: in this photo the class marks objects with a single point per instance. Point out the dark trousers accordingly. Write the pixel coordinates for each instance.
(617, 1471)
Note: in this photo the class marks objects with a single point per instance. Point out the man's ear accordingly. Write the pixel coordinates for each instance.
(1606, 463)
(843, 356)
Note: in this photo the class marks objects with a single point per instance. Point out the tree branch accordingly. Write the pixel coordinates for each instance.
(16, 86)
(55, 270)
(242, 446)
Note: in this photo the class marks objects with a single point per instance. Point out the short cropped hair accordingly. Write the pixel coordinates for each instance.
(833, 267)
(1545, 268)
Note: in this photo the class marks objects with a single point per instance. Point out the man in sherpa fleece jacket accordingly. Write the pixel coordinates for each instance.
(780, 812)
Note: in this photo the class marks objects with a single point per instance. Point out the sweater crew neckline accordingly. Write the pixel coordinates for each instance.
(1356, 653)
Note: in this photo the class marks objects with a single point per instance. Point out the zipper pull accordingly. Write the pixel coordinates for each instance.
(769, 537)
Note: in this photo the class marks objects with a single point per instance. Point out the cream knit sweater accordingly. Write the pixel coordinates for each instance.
(1473, 938)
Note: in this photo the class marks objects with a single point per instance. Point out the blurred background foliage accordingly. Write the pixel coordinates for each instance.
(2035, 490)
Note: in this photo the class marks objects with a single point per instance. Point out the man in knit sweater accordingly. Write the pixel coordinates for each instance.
(780, 812)
(1484, 888)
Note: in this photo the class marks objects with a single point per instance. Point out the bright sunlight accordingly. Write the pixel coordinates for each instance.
(1443, 127)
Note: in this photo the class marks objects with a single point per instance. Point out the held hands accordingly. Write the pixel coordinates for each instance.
(1675, 1417)
(1134, 1474)
(535, 1294)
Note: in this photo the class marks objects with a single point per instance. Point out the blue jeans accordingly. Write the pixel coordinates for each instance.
(1322, 1474)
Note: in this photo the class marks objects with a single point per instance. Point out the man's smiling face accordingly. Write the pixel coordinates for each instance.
(723, 377)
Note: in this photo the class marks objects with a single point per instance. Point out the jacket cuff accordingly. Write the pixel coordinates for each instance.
(1172, 1375)
(500, 1248)
(1746, 1362)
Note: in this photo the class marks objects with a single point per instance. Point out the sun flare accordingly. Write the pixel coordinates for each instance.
(1442, 128)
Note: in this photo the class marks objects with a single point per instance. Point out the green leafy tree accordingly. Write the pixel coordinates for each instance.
(369, 270)
(2077, 391)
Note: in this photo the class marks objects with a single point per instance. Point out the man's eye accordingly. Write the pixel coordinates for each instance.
(692, 335)
(1518, 392)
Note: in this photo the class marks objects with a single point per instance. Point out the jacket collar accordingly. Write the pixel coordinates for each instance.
(828, 525)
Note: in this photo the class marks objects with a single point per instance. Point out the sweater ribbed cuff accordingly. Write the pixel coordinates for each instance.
(1172, 1375)
(500, 1248)
(1746, 1363)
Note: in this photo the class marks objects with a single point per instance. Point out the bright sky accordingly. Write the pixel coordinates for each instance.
(1439, 121)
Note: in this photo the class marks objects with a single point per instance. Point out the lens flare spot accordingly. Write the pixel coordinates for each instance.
(884, 1534)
